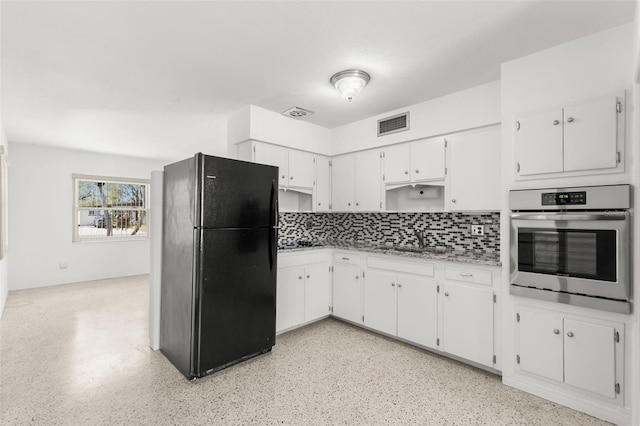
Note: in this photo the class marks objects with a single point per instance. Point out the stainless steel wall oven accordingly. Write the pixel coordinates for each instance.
(571, 245)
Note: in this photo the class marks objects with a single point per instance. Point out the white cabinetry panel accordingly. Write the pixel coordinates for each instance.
(380, 302)
(540, 346)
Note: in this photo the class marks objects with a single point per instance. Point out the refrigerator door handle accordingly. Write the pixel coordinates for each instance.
(273, 229)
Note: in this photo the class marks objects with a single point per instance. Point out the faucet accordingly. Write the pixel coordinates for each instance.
(420, 234)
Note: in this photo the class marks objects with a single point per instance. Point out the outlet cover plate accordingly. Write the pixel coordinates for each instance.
(477, 230)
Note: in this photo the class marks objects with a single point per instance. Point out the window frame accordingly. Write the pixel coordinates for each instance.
(76, 178)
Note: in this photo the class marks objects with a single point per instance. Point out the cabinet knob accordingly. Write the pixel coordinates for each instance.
(291, 177)
(282, 176)
(556, 122)
(348, 204)
(357, 277)
(570, 120)
(446, 293)
(570, 334)
(406, 172)
(393, 284)
(319, 203)
(399, 285)
(357, 204)
(417, 171)
(453, 200)
(300, 277)
(556, 331)
(307, 276)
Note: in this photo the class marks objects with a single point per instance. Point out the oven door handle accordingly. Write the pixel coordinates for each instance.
(570, 216)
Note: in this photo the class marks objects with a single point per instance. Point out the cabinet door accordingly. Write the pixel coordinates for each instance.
(418, 310)
(347, 294)
(342, 176)
(380, 301)
(540, 344)
(302, 169)
(468, 322)
(589, 357)
(323, 184)
(274, 156)
(317, 292)
(539, 142)
(289, 298)
(368, 181)
(427, 160)
(475, 175)
(397, 163)
(590, 130)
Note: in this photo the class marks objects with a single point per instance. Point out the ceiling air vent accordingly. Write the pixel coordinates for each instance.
(297, 113)
(397, 123)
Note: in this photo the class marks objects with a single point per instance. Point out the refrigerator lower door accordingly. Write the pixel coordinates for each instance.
(237, 294)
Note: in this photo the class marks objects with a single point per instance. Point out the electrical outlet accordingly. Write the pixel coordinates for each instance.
(477, 230)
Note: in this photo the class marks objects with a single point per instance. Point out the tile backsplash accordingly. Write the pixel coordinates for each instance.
(451, 230)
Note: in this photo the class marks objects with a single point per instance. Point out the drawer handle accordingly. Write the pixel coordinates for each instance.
(556, 331)
(345, 258)
(466, 274)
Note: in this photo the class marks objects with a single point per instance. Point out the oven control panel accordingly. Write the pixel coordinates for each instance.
(564, 198)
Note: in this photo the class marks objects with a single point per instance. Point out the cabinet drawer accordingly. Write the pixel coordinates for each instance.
(346, 257)
(401, 266)
(302, 258)
(468, 275)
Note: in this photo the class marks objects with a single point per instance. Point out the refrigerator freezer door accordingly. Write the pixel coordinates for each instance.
(237, 291)
(237, 194)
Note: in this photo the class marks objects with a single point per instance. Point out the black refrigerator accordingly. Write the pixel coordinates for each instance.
(219, 262)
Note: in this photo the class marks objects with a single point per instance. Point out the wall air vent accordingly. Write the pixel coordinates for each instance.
(297, 113)
(397, 123)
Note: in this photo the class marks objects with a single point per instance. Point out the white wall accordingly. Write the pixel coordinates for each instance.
(41, 206)
(4, 269)
(467, 109)
(596, 65)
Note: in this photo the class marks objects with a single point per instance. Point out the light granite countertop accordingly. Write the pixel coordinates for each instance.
(433, 253)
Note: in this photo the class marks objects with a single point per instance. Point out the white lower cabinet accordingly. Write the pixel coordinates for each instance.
(304, 289)
(347, 292)
(401, 305)
(467, 312)
(580, 352)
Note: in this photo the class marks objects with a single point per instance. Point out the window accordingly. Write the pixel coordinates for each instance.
(110, 209)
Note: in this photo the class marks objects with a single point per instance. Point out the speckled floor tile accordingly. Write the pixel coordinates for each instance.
(78, 355)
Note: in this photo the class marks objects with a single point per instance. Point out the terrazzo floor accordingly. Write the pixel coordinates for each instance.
(78, 354)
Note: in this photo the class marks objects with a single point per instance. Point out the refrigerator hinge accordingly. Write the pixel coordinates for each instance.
(616, 336)
(438, 341)
(495, 298)
(518, 359)
(618, 107)
(617, 388)
(517, 125)
(618, 157)
(494, 359)
(518, 317)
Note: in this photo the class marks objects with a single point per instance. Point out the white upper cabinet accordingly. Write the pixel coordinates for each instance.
(428, 160)
(415, 162)
(368, 181)
(342, 180)
(579, 137)
(323, 184)
(474, 170)
(273, 156)
(397, 164)
(302, 169)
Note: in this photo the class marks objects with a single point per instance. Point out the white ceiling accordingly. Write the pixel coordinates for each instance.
(157, 78)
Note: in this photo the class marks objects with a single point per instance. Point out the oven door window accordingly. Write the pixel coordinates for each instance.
(575, 253)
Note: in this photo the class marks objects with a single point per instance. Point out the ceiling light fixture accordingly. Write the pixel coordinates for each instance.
(350, 83)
